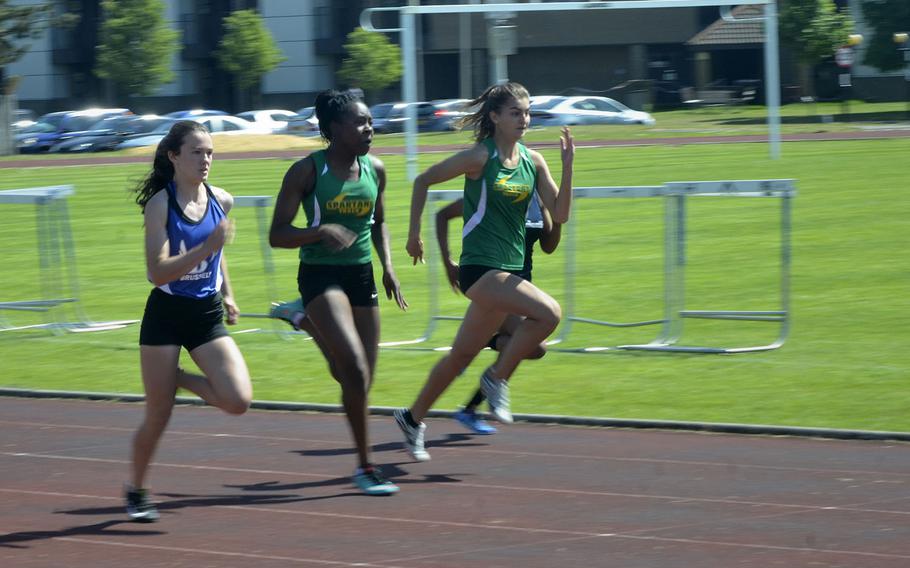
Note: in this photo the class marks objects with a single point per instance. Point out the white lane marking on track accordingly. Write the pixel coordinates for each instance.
(474, 525)
(671, 498)
(222, 553)
(487, 451)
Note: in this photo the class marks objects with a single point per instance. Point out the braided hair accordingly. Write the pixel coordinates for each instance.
(331, 106)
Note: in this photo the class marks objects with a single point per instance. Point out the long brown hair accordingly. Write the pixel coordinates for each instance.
(491, 100)
(162, 169)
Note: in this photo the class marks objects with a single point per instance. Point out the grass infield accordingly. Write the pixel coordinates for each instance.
(844, 366)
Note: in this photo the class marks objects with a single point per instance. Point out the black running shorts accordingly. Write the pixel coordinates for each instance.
(470, 273)
(355, 280)
(179, 320)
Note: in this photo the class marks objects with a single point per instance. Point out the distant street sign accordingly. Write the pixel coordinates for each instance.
(844, 57)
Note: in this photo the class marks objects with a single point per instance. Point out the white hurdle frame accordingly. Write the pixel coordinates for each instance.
(260, 203)
(56, 253)
(675, 230)
(674, 196)
(432, 275)
(572, 237)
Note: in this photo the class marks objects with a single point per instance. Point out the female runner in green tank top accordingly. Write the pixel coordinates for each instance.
(501, 176)
(341, 190)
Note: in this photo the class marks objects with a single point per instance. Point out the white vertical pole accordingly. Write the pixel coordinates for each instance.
(409, 88)
(464, 56)
(772, 78)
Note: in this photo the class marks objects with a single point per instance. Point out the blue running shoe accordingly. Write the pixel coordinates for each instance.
(470, 420)
(289, 311)
(370, 481)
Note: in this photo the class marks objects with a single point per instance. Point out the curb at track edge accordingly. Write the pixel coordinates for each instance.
(709, 427)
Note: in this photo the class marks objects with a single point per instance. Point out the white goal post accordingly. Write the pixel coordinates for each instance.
(409, 48)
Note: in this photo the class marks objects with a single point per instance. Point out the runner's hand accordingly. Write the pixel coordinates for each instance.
(393, 289)
(231, 311)
(415, 249)
(567, 147)
(336, 237)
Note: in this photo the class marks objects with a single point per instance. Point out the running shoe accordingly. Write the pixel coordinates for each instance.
(287, 311)
(370, 481)
(138, 506)
(470, 420)
(496, 392)
(413, 436)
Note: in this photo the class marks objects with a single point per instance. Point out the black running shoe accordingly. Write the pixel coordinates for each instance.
(138, 506)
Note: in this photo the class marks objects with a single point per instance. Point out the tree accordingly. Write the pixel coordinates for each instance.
(247, 51)
(813, 29)
(136, 46)
(17, 24)
(885, 17)
(374, 62)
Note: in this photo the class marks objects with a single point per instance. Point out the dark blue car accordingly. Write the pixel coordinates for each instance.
(58, 126)
(108, 132)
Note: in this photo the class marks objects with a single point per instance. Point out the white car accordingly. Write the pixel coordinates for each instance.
(304, 123)
(555, 110)
(220, 125)
(276, 120)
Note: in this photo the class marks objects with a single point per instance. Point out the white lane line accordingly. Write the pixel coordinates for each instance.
(484, 527)
(726, 465)
(484, 486)
(762, 546)
(260, 557)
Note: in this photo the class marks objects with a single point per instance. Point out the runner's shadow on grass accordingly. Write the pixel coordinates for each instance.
(17, 540)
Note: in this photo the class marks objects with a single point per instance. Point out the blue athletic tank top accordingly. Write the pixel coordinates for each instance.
(205, 278)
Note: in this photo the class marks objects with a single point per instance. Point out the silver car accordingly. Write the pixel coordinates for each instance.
(555, 110)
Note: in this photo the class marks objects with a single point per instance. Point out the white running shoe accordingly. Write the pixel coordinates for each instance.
(413, 436)
(496, 392)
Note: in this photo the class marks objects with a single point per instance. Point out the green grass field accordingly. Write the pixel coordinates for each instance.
(845, 364)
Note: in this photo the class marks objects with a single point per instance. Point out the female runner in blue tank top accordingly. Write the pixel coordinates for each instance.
(186, 227)
(500, 175)
(342, 192)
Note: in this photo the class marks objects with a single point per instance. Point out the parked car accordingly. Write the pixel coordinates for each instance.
(67, 124)
(217, 125)
(554, 110)
(231, 125)
(108, 132)
(447, 113)
(391, 117)
(304, 123)
(22, 118)
(276, 120)
(35, 136)
(194, 113)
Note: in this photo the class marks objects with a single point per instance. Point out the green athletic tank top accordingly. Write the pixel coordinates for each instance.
(495, 207)
(347, 203)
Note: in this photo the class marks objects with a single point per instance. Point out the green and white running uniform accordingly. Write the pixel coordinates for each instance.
(495, 207)
(347, 203)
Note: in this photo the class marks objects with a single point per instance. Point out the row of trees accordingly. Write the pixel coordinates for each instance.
(137, 46)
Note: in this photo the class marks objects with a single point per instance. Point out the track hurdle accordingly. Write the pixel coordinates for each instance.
(431, 249)
(59, 282)
(571, 247)
(677, 194)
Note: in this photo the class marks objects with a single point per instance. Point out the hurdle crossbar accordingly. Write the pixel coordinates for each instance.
(56, 256)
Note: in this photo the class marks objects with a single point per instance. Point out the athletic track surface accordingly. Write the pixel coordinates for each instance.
(101, 159)
(271, 489)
